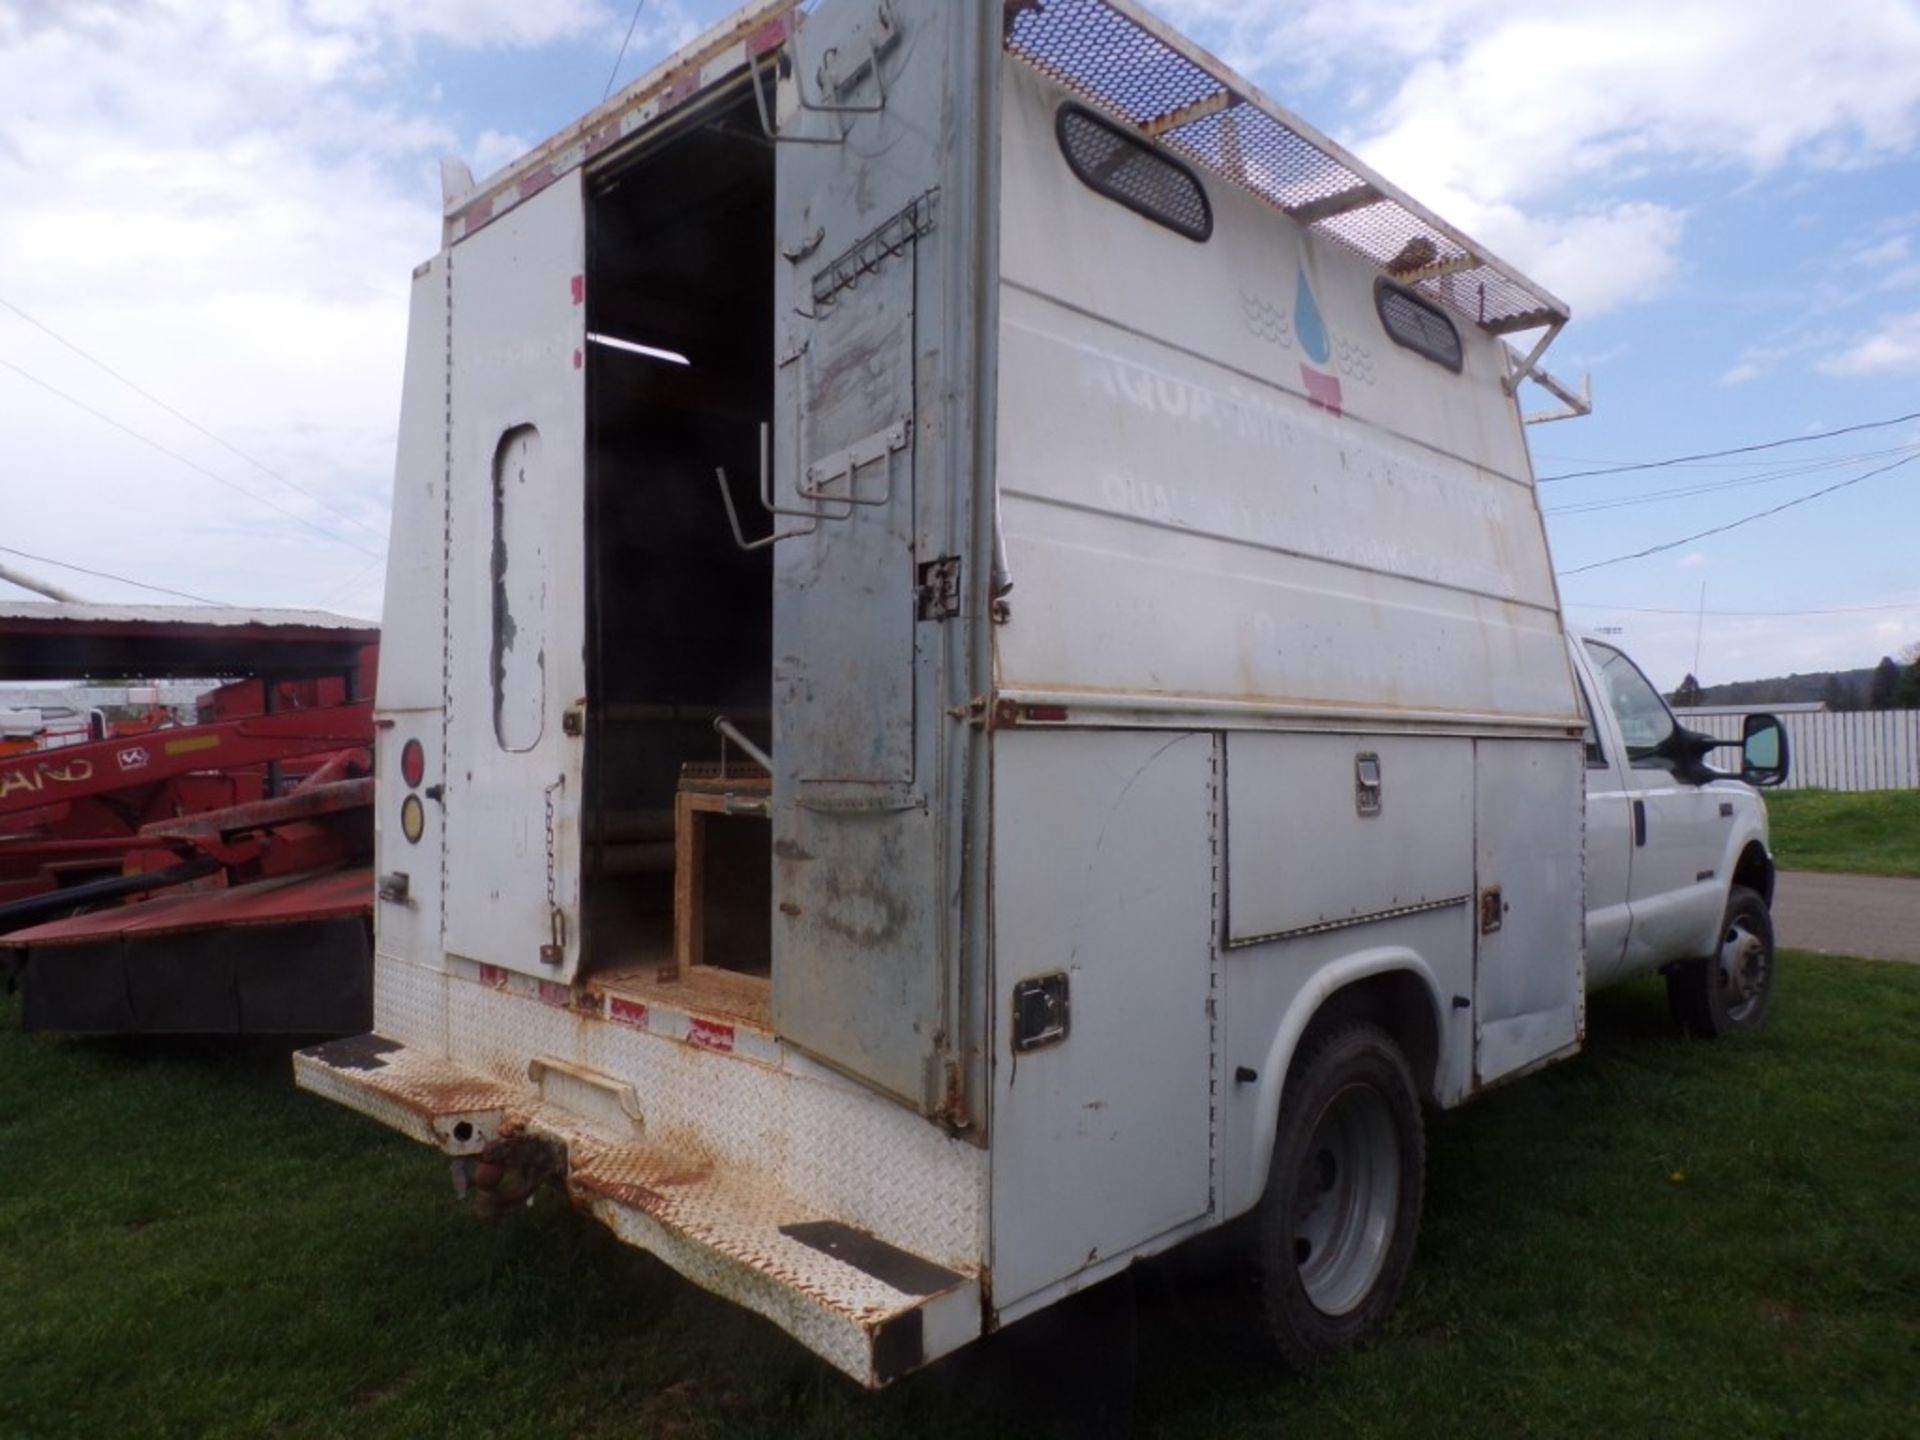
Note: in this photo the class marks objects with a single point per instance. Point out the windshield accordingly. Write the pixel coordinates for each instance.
(1645, 721)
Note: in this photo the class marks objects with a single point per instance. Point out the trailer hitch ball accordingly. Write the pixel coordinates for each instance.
(508, 1172)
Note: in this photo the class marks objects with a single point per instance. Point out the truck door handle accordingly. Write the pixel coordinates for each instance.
(1639, 822)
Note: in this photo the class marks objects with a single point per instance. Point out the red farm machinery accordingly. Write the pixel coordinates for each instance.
(190, 873)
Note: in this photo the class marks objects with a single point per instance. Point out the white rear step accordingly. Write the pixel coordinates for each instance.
(868, 1308)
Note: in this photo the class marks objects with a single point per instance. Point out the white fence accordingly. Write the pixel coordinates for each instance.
(1833, 749)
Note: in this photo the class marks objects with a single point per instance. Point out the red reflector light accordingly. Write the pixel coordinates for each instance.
(413, 763)
(1046, 712)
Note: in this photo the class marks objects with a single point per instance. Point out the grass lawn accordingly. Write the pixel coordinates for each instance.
(1872, 833)
(1661, 1237)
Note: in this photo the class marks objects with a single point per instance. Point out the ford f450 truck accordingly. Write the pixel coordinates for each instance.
(1678, 875)
(972, 688)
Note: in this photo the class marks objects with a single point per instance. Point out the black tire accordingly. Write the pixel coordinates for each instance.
(1728, 993)
(1347, 1081)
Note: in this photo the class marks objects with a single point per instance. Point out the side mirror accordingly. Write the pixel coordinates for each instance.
(1687, 751)
(1763, 751)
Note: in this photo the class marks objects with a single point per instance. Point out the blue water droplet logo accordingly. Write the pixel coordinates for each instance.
(1307, 323)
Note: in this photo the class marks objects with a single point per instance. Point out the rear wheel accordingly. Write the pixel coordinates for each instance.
(1727, 993)
(1333, 1237)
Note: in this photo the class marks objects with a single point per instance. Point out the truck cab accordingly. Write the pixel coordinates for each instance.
(1679, 876)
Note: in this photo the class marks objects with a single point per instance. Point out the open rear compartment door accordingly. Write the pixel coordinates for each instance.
(879, 113)
(515, 593)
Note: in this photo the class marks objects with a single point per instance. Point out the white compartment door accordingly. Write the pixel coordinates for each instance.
(1103, 866)
(515, 605)
(1529, 972)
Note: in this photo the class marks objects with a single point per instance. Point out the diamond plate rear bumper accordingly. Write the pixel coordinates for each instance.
(870, 1309)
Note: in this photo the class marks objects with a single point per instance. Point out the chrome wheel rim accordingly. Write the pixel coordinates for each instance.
(1744, 963)
(1346, 1200)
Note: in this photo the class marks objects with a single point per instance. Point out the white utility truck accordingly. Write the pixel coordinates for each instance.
(972, 687)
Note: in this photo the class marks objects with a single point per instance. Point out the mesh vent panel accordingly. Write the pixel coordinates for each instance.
(1419, 326)
(1125, 168)
(1146, 77)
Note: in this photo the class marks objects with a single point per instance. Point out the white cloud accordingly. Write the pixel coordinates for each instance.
(1693, 560)
(1742, 372)
(1518, 121)
(1892, 256)
(472, 23)
(494, 151)
(1886, 252)
(1894, 349)
(1600, 259)
(1537, 102)
(224, 203)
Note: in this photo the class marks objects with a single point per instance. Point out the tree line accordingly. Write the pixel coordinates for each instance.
(1890, 685)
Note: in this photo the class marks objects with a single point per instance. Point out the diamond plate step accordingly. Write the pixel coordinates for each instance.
(870, 1309)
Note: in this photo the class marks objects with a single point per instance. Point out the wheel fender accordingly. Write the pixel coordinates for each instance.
(1741, 837)
(1707, 942)
(1313, 995)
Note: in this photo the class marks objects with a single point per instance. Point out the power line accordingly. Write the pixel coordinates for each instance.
(1743, 520)
(1694, 610)
(1707, 487)
(337, 591)
(105, 575)
(1737, 450)
(189, 421)
(190, 464)
(637, 5)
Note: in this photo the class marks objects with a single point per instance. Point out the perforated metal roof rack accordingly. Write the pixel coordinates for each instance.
(1114, 55)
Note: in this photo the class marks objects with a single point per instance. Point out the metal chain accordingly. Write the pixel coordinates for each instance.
(554, 953)
(557, 785)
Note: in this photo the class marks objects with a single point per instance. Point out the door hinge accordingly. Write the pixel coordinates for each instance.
(939, 590)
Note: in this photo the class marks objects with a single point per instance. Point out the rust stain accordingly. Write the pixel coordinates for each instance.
(632, 1194)
(598, 140)
(682, 85)
(863, 912)
(433, 1099)
(770, 36)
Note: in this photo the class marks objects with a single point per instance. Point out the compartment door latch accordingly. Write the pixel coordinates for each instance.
(1366, 785)
(1492, 910)
(939, 588)
(1040, 1011)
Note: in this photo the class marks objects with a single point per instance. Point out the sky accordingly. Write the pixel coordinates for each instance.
(222, 201)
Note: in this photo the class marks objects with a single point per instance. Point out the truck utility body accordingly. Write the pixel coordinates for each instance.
(967, 600)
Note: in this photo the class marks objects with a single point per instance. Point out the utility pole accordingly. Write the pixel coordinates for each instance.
(1699, 624)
